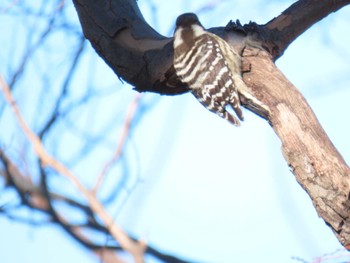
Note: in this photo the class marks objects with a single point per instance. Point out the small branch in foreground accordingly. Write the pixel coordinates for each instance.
(136, 249)
(123, 138)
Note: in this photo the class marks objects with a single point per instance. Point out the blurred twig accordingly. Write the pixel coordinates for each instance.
(123, 138)
(55, 114)
(33, 197)
(31, 49)
(136, 249)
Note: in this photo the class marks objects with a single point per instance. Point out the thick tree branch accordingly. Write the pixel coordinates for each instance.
(134, 50)
(295, 20)
(144, 58)
(315, 162)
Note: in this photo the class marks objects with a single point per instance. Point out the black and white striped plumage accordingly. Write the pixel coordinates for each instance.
(209, 66)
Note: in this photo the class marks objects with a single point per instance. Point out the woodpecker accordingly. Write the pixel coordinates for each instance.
(210, 68)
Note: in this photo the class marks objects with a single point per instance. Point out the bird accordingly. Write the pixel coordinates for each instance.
(210, 68)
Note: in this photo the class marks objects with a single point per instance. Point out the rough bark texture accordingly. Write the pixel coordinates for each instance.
(134, 50)
(142, 57)
(313, 159)
(296, 19)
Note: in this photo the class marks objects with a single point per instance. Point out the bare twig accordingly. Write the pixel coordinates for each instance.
(33, 48)
(123, 138)
(136, 249)
(33, 197)
(55, 114)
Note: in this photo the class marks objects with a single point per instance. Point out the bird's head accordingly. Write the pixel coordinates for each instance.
(188, 28)
(187, 20)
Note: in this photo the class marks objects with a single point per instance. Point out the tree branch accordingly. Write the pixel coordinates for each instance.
(133, 49)
(33, 197)
(295, 20)
(315, 162)
(142, 57)
(121, 144)
(136, 249)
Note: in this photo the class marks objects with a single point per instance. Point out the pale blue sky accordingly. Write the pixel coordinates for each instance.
(210, 192)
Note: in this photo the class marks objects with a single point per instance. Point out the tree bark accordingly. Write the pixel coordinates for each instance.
(296, 19)
(144, 58)
(317, 165)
